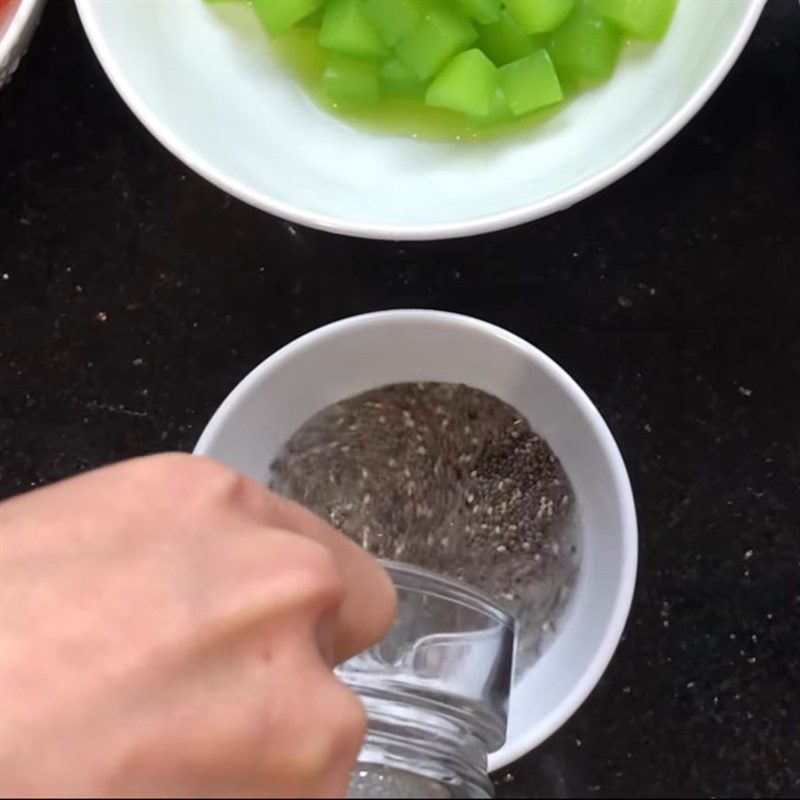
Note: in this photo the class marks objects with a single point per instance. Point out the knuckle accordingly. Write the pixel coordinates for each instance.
(321, 571)
(180, 468)
(281, 571)
(214, 477)
(206, 488)
(225, 486)
(351, 720)
(213, 483)
(328, 749)
(321, 562)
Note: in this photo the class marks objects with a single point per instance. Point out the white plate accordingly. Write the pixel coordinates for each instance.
(205, 82)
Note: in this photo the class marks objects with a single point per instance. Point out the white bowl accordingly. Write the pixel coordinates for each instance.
(212, 92)
(15, 35)
(361, 353)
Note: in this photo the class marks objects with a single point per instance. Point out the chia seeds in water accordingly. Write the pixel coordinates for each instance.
(449, 478)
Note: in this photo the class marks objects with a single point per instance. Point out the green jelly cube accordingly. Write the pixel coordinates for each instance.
(397, 78)
(442, 33)
(504, 41)
(538, 16)
(530, 83)
(584, 50)
(351, 81)
(498, 111)
(394, 19)
(466, 84)
(346, 30)
(313, 20)
(644, 19)
(278, 17)
(483, 11)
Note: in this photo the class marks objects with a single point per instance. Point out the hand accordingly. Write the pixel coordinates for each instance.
(169, 628)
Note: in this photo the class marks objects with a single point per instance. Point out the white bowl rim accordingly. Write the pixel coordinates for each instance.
(450, 230)
(548, 725)
(20, 18)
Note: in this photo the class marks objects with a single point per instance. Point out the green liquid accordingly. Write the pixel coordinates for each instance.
(407, 116)
(302, 56)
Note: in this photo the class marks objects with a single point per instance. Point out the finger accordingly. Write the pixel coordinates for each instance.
(269, 724)
(368, 608)
(250, 585)
(323, 721)
(186, 491)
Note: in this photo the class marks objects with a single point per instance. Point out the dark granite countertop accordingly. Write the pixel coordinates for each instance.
(134, 295)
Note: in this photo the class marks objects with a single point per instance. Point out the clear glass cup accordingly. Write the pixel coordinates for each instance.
(436, 691)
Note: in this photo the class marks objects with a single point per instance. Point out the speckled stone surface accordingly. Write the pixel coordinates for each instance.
(133, 296)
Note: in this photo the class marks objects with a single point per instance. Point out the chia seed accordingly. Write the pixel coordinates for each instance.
(484, 499)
